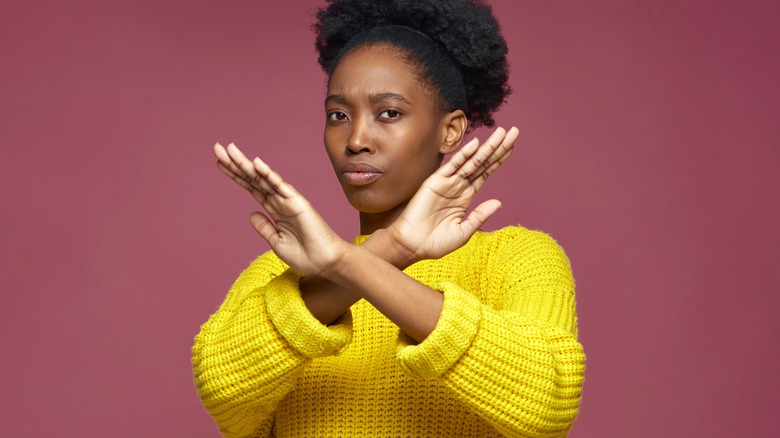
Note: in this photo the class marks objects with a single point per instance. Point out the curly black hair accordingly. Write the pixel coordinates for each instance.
(456, 45)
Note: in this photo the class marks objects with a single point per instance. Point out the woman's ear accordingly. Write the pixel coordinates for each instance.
(455, 125)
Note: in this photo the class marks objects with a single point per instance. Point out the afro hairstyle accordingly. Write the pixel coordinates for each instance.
(455, 44)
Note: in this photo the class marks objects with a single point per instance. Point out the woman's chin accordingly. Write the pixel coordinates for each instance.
(369, 208)
(371, 205)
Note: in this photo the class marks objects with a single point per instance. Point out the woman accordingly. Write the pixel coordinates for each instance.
(423, 326)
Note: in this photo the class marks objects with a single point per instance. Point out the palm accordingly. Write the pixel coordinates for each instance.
(292, 227)
(287, 232)
(434, 222)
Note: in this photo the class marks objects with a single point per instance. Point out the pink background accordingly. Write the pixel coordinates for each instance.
(649, 150)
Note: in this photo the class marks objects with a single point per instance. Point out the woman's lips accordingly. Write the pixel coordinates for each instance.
(359, 173)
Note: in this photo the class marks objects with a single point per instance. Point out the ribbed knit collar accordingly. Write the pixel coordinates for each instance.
(360, 239)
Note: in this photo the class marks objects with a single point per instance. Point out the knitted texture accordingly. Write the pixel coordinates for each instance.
(503, 359)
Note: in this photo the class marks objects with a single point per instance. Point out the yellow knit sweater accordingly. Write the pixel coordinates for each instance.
(503, 359)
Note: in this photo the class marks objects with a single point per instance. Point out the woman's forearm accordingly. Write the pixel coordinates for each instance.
(411, 305)
(327, 301)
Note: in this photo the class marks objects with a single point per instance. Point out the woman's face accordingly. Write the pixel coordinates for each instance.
(384, 132)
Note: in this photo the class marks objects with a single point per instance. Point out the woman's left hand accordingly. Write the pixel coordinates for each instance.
(292, 227)
(434, 223)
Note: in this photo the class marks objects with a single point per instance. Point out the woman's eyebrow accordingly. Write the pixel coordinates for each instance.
(374, 98)
(337, 98)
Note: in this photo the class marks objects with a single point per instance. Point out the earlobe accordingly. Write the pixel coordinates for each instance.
(455, 125)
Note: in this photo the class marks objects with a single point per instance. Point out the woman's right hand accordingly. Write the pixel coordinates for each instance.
(434, 223)
(292, 227)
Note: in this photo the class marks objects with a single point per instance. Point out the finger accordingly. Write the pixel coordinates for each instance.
(477, 161)
(261, 181)
(229, 163)
(242, 162)
(246, 168)
(480, 215)
(480, 159)
(256, 193)
(225, 159)
(264, 227)
(478, 181)
(220, 152)
(500, 157)
(233, 176)
(273, 179)
(460, 157)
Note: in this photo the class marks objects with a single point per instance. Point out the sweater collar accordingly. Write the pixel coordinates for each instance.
(360, 239)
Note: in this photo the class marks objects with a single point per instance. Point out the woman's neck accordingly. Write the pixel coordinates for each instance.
(370, 222)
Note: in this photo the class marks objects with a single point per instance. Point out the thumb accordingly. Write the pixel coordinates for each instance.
(480, 215)
(264, 227)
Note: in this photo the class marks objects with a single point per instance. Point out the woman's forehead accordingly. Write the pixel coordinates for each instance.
(375, 71)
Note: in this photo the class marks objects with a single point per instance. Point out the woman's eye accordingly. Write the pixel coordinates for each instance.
(389, 114)
(337, 116)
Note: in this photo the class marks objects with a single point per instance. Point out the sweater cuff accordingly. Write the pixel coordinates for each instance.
(449, 340)
(297, 325)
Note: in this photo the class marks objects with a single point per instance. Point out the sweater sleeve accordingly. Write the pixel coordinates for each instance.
(248, 355)
(516, 362)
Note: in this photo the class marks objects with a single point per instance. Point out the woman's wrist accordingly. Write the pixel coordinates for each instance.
(383, 244)
(325, 300)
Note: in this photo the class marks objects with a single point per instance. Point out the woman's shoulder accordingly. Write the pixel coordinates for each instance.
(518, 255)
(517, 236)
(514, 246)
(262, 269)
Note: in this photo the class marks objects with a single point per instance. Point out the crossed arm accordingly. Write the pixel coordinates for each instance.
(337, 273)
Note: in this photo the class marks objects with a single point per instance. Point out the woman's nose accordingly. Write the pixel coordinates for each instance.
(360, 138)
